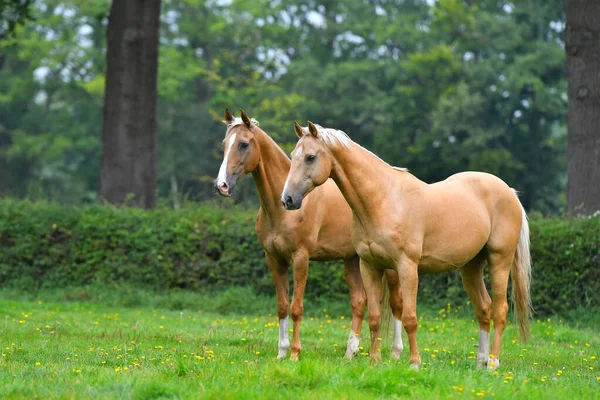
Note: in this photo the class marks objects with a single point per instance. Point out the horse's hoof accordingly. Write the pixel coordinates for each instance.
(282, 354)
(349, 355)
(376, 358)
(482, 362)
(396, 353)
(294, 357)
(415, 366)
(493, 364)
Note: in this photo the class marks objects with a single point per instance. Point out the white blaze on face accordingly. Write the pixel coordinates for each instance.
(353, 343)
(397, 345)
(222, 177)
(284, 338)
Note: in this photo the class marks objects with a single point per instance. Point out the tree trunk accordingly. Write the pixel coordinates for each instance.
(129, 131)
(582, 44)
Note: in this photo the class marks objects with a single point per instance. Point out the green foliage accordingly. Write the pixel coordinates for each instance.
(211, 249)
(12, 14)
(438, 87)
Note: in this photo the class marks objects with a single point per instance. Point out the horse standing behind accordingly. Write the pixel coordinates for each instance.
(320, 232)
(402, 223)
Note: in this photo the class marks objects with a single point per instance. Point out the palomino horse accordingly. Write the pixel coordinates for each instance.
(404, 224)
(320, 232)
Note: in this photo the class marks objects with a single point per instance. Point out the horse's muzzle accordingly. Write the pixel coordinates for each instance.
(290, 204)
(223, 188)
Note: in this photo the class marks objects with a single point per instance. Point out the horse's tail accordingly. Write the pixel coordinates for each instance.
(521, 279)
(386, 310)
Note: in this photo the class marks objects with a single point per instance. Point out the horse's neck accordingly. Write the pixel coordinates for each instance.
(363, 179)
(270, 174)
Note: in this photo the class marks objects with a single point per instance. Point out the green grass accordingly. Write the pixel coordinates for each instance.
(75, 349)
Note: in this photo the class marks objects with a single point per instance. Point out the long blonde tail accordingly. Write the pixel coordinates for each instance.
(521, 280)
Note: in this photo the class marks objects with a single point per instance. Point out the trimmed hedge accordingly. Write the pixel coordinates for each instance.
(212, 248)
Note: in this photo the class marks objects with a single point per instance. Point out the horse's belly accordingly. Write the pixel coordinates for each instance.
(450, 256)
(429, 265)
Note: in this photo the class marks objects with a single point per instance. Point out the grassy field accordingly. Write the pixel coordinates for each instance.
(89, 350)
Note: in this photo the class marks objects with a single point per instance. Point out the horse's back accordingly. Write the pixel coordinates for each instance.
(477, 187)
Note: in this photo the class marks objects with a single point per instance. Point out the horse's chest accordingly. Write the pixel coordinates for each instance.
(375, 252)
(275, 241)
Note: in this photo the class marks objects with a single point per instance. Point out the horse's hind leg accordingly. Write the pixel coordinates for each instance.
(279, 272)
(396, 307)
(372, 279)
(500, 264)
(358, 300)
(472, 277)
(300, 268)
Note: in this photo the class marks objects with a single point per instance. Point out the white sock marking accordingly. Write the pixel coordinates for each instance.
(397, 345)
(483, 353)
(353, 343)
(284, 338)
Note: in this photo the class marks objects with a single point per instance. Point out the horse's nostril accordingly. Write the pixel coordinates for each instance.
(288, 201)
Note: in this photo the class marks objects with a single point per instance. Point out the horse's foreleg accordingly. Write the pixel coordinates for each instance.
(358, 300)
(409, 282)
(372, 279)
(396, 306)
(300, 268)
(499, 272)
(282, 288)
(472, 277)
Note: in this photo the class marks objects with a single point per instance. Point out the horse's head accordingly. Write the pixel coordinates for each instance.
(311, 166)
(241, 154)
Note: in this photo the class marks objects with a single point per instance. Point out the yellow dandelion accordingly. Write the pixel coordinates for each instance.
(37, 363)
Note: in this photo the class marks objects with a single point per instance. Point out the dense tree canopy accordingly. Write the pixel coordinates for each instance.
(435, 86)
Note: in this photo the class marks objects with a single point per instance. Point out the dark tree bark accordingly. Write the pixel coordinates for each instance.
(582, 44)
(129, 131)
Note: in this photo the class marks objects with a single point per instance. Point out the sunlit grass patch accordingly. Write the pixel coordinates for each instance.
(96, 351)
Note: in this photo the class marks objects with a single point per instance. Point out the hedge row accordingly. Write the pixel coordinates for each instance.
(212, 248)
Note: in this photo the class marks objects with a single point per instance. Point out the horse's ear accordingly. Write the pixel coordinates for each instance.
(228, 116)
(313, 129)
(298, 129)
(246, 120)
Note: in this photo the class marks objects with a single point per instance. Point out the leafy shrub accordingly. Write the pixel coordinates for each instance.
(213, 248)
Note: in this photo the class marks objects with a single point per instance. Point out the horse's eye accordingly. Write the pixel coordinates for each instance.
(244, 145)
(310, 158)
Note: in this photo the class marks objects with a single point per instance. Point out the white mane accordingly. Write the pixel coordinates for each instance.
(333, 137)
(238, 121)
